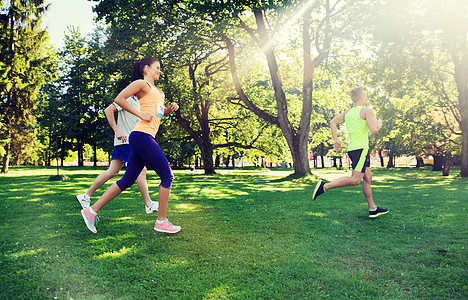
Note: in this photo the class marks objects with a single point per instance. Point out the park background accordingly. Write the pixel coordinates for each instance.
(257, 83)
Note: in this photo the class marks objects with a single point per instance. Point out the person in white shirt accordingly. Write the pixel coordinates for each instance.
(124, 126)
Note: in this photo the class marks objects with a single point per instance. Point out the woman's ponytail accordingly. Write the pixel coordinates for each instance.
(136, 73)
(138, 67)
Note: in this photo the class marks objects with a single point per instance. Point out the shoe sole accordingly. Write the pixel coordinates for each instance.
(166, 231)
(316, 189)
(379, 214)
(86, 222)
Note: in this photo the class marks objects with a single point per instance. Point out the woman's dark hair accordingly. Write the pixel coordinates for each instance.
(139, 66)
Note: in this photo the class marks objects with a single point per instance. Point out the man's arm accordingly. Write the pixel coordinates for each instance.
(338, 119)
(109, 111)
(373, 124)
(139, 87)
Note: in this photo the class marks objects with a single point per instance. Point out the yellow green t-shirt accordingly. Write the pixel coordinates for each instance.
(357, 129)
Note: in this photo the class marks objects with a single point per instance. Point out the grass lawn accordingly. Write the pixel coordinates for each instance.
(246, 234)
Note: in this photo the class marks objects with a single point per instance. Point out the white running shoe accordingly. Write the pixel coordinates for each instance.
(154, 206)
(90, 219)
(84, 200)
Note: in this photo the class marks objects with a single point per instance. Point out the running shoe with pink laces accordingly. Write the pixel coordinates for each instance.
(166, 227)
(90, 219)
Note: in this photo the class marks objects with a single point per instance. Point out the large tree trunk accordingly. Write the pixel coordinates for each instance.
(207, 158)
(447, 164)
(390, 163)
(297, 139)
(461, 79)
(438, 163)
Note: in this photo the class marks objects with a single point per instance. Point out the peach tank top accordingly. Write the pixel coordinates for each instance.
(152, 103)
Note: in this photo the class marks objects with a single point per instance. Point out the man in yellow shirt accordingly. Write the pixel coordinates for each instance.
(359, 121)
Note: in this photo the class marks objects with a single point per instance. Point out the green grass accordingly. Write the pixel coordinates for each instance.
(245, 235)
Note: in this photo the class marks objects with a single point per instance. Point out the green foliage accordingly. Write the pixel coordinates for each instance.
(28, 62)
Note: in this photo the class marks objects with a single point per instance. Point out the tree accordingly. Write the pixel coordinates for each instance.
(437, 31)
(193, 64)
(27, 64)
(320, 21)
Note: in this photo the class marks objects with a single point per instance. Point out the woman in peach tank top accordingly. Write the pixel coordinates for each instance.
(144, 149)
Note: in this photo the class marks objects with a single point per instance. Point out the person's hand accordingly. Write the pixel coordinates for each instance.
(337, 146)
(147, 117)
(174, 106)
(120, 136)
(379, 122)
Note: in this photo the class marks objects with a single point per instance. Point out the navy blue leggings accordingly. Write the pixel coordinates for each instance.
(145, 151)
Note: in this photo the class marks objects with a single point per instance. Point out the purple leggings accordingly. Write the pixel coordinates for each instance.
(145, 151)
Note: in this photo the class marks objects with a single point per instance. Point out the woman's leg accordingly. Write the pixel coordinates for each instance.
(134, 166)
(155, 159)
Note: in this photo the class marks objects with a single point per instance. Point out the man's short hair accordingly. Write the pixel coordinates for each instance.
(356, 93)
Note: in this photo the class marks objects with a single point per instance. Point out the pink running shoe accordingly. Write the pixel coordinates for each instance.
(89, 219)
(166, 227)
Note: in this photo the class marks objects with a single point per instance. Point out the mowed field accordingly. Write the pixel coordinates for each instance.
(246, 234)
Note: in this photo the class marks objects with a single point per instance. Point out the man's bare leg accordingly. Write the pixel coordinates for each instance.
(367, 190)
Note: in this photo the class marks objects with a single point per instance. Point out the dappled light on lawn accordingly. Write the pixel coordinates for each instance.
(115, 254)
(185, 207)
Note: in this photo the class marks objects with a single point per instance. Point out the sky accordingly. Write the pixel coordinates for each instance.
(62, 13)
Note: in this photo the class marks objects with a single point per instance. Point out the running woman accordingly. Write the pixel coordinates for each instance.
(144, 149)
(359, 121)
(125, 124)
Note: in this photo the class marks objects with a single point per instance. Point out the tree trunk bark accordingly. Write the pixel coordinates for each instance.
(381, 158)
(62, 151)
(448, 163)
(419, 162)
(95, 155)
(438, 163)
(217, 161)
(461, 79)
(390, 163)
(80, 153)
(6, 157)
(207, 158)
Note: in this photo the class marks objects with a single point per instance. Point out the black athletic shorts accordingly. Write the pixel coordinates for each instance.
(360, 159)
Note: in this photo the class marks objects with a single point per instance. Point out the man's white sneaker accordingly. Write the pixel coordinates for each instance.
(154, 206)
(84, 200)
